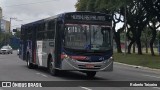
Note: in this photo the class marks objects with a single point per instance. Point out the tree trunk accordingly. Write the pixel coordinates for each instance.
(139, 46)
(146, 42)
(129, 46)
(132, 39)
(118, 43)
(134, 48)
(146, 45)
(138, 40)
(152, 41)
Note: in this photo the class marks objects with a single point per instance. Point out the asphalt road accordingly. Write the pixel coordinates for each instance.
(14, 69)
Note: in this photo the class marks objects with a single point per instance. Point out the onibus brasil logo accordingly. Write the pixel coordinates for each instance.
(21, 84)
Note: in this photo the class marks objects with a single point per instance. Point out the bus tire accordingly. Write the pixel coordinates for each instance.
(91, 74)
(35, 66)
(29, 64)
(52, 70)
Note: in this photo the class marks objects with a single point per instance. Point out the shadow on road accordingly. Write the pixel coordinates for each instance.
(69, 75)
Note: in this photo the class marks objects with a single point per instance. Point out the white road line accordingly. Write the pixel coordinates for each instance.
(42, 74)
(37, 73)
(151, 76)
(156, 87)
(85, 88)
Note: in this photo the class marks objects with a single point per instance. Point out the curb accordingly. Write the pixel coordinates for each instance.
(141, 67)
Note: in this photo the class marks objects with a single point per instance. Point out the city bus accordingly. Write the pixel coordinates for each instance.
(74, 41)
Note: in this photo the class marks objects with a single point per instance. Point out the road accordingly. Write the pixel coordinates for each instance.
(14, 69)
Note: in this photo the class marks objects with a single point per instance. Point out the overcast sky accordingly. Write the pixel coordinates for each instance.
(30, 10)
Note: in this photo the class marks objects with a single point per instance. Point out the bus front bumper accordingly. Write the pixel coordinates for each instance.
(75, 65)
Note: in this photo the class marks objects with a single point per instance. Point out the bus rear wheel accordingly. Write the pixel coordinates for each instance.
(91, 74)
(29, 64)
(52, 70)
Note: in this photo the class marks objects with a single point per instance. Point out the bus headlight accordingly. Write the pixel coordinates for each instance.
(111, 58)
(64, 56)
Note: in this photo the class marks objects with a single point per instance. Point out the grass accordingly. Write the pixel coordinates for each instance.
(145, 60)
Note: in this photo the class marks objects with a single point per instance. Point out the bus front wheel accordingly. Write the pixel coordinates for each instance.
(91, 74)
(52, 70)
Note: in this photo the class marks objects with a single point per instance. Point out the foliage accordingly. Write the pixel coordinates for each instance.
(81, 5)
(152, 7)
(17, 34)
(158, 35)
(5, 38)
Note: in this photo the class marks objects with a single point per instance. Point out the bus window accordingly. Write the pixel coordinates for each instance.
(100, 37)
(51, 25)
(41, 31)
(75, 37)
(51, 29)
(87, 37)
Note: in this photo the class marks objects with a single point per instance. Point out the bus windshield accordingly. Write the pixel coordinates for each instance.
(87, 37)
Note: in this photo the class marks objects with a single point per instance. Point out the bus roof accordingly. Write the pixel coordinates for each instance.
(60, 16)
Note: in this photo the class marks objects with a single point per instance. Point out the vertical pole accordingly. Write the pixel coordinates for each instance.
(158, 43)
(4, 36)
(0, 23)
(10, 25)
(125, 21)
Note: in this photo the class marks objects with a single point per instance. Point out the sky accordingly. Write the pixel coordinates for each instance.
(26, 11)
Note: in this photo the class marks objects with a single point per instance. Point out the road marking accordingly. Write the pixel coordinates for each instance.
(151, 76)
(37, 73)
(156, 87)
(85, 88)
(42, 74)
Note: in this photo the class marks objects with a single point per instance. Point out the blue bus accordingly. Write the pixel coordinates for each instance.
(75, 41)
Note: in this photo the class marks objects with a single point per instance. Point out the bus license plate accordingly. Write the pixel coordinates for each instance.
(89, 66)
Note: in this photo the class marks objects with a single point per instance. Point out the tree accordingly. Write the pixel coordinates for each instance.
(146, 36)
(117, 33)
(81, 5)
(17, 34)
(153, 8)
(137, 19)
(153, 25)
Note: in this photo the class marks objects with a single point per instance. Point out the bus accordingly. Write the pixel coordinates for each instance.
(74, 41)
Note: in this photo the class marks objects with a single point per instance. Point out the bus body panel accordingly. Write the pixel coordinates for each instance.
(44, 48)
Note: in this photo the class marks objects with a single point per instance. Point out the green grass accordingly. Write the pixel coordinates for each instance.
(145, 60)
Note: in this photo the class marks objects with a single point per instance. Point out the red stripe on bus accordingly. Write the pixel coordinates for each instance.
(62, 56)
(79, 57)
(74, 57)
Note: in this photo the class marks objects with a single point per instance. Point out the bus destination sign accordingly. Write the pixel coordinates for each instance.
(86, 17)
